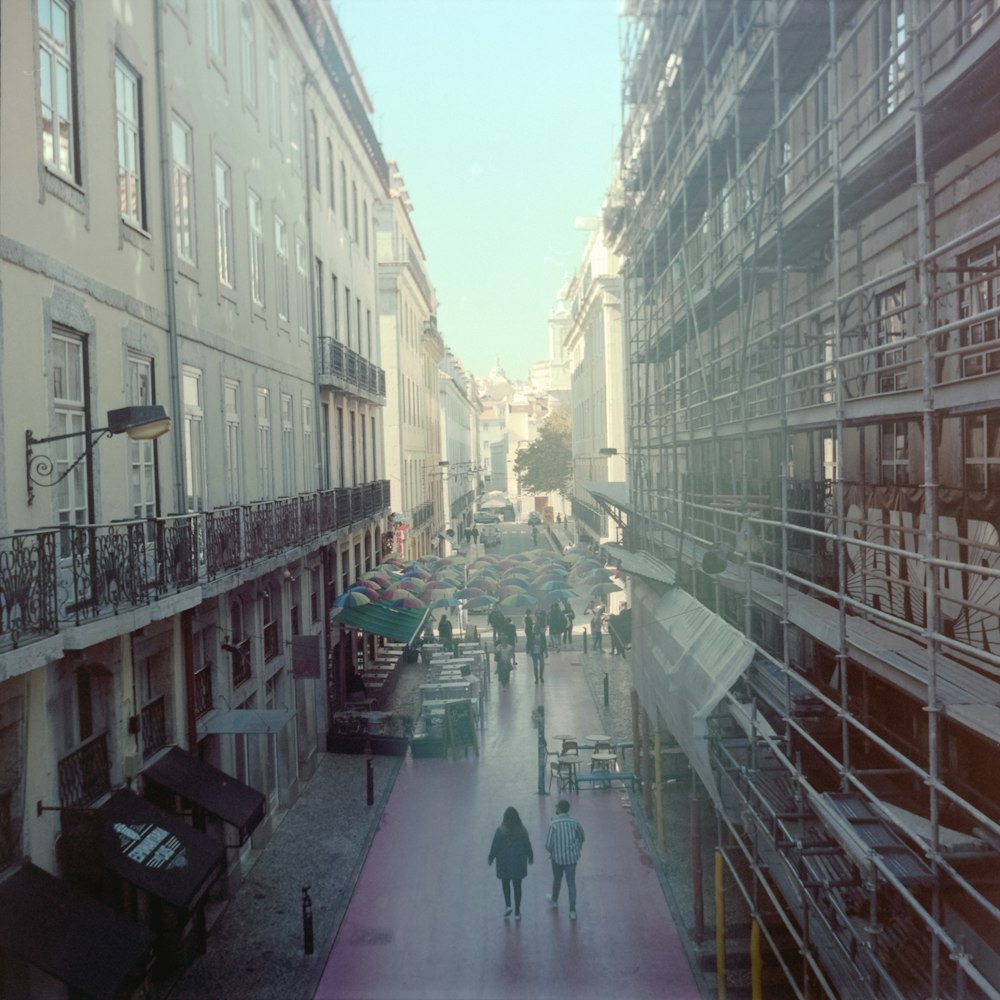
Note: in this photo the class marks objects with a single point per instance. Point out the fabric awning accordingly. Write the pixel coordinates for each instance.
(401, 624)
(157, 852)
(180, 773)
(611, 494)
(49, 924)
(266, 721)
(640, 564)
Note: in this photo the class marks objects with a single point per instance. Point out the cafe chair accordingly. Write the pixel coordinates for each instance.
(563, 773)
(570, 747)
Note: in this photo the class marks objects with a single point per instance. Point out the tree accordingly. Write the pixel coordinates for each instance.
(546, 465)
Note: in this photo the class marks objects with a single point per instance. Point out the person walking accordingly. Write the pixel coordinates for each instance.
(445, 632)
(529, 627)
(570, 618)
(505, 661)
(495, 620)
(596, 623)
(538, 650)
(557, 625)
(564, 842)
(509, 629)
(511, 849)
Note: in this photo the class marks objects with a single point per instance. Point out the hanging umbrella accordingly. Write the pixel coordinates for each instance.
(560, 595)
(603, 589)
(467, 593)
(407, 602)
(483, 583)
(444, 602)
(377, 577)
(551, 586)
(411, 584)
(516, 601)
(416, 570)
(439, 585)
(509, 589)
(480, 602)
(351, 599)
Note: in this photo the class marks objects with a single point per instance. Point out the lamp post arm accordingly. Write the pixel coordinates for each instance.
(40, 468)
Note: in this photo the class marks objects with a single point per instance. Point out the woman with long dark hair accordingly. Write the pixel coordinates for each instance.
(512, 850)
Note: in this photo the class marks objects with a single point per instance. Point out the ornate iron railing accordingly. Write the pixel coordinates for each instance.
(85, 774)
(340, 364)
(202, 690)
(242, 669)
(153, 725)
(68, 575)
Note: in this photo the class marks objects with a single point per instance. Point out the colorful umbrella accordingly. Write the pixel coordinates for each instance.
(407, 602)
(466, 593)
(352, 599)
(444, 602)
(412, 584)
(602, 589)
(480, 602)
(517, 601)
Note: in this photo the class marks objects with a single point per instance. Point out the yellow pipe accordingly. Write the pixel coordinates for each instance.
(756, 963)
(720, 927)
(660, 833)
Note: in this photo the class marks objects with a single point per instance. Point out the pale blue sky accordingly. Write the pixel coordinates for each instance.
(503, 116)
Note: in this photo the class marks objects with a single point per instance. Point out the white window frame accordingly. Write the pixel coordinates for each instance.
(248, 53)
(981, 293)
(57, 86)
(215, 30)
(287, 445)
(281, 267)
(981, 440)
(331, 174)
(224, 222)
(195, 466)
(128, 130)
(141, 454)
(233, 441)
(302, 285)
(69, 401)
(308, 447)
(182, 188)
(255, 226)
(894, 460)
(890, 307)
(264, 469)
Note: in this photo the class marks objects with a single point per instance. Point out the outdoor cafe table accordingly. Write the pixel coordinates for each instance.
(602, 762)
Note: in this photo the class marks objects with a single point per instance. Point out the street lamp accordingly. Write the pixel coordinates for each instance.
(140, 423)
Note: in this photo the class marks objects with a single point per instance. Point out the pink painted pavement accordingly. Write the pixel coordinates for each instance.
(426, 919)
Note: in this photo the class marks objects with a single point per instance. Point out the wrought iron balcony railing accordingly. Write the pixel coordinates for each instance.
(344, 368)
(85, 774)
(58, 577)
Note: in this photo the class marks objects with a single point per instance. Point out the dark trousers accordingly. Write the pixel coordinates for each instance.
(538, 662)
(557, 874)
(505, 884)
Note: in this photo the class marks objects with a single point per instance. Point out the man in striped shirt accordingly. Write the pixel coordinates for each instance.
(564, 843)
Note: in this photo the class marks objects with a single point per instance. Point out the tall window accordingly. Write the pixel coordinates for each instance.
(129, 131)
(194, 439)
(335, 314)
(980, 293)
(224, 221)
(354, 210)
(892, 39)
(982, 451)
(57, 85)
(308, 447)
(231, 393)
(343, 193)
(215, 33)
(281, 266)
(69, 399)
(274, 90)
(255, 219)
(894, 454)
(182, 177)
(142, 470)
(365, 221)
(294, 129)
(889, 330)
(266, 481)
(374, 451)
(331, 177)
(314, 149)
(302, 287)
(347, 315)
(287, 446)
(248, 54)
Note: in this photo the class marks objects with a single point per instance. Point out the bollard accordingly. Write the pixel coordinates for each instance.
(605, 690)
(307, 922)
(584, 641)
(371, 782)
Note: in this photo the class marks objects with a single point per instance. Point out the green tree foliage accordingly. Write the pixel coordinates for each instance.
(546, 465)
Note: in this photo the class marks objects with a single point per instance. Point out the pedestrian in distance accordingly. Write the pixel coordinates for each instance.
(529, 627)
(509, 629)
(538, 649)
(564, 842)
(474, 535)
(505, 661)
(557, 625)
(445, 632)
(534, 534)
(495, 620)
(570, 618)
(511, 849)
(596, 626)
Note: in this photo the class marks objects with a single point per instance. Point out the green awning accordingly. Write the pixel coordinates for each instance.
(400, 624)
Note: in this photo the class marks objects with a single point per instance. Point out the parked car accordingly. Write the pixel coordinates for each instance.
(485, 517)
(534, 517)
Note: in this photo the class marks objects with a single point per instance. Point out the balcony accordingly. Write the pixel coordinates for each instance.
(56, 578)
(342, 368)
(153, 726)
(85, 774)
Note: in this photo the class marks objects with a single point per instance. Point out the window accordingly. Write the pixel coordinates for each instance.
(365, 219)
(287, 446)
(231, 394)
(980, 293)
(354, 210)
(347, 315)
(255, 220)
(982, 451)
(248, 54)
(215, 33)
(194, 439)
(891, 27)
(182, 177)
(69, 398)
(343, 192)
(294, 130)
(335, 315)
(894, 456)
(314, 149)
(141, 454)
(224, 221)
(270, 623)
(357, 325)
(264, 442)
(274, 90)
(331, 178)
(57, 86)
(308, 446)
(302, 287)
(129, 130)
(888, 330)
(281, 267)
(374, 451)
(314, 587)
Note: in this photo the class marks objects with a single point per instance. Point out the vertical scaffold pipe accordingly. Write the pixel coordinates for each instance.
(756, 962)
(635, 733)
(658, 765)
(720, 927)
(694, 805)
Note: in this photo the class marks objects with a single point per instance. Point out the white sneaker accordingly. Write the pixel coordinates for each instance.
(507, 912)
(552, 902)
(517, 916)
(572, 914)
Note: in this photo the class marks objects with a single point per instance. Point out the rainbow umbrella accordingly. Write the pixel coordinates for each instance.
(480, 602)
(407, 602)
(517, 601)
(444, 602)
(467, 593)
(603, 589)
(352, 599)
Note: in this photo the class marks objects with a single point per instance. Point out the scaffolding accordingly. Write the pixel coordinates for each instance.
(811, 241)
